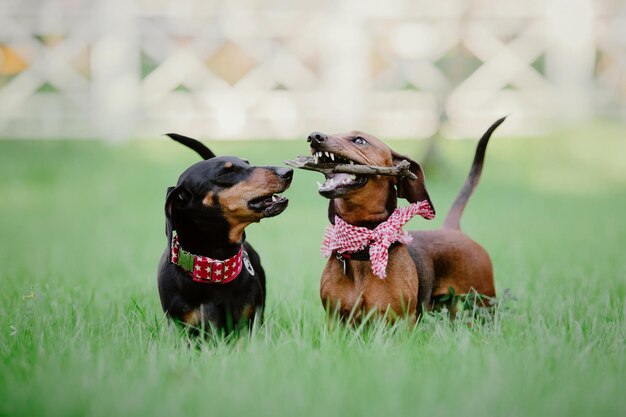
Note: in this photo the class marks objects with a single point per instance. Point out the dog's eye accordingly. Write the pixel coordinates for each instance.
(359, 140)
(226, 179)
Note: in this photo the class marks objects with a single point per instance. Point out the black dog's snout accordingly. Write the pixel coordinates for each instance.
(316, 138)
(285, 173)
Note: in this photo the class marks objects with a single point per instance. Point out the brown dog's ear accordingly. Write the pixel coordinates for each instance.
(331, 211)
(412, 190)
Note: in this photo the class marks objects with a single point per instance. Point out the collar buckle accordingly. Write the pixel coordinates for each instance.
(185, 260)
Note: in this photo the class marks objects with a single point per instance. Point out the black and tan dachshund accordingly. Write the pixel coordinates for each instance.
(209, 277)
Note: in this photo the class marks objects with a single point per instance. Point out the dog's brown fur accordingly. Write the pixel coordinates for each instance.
(418, 273)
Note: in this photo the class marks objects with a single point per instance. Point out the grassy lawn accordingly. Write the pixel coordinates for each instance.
(82, 332)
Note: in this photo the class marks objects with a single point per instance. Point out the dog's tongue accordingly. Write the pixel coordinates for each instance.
(341, 177)
(335, 180)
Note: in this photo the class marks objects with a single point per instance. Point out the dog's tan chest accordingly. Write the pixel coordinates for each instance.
(359, 291)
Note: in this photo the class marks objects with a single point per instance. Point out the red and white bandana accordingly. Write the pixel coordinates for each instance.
(205, 269)
(346, 238)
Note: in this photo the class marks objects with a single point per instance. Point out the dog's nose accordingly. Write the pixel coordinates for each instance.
(285, 173)
(316, 138)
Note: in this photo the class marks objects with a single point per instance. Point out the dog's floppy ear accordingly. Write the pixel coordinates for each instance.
(197, 146)
(412, 190)
(331, 211)
(175, 196)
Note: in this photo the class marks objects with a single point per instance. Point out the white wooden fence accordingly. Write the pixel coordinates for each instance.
(119, 69)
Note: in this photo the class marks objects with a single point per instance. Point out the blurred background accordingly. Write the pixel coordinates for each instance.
(248, 69)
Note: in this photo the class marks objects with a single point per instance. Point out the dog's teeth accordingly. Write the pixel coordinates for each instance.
(351, 162)
(327, 154)
(316, 158)
(319, 185)
(352, 177)
(332, 156)
(274, 199)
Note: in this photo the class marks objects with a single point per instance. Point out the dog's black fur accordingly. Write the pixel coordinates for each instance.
(212, 203)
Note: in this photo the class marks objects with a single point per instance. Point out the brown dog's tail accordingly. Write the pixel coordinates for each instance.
(453, 219)
(197, 146)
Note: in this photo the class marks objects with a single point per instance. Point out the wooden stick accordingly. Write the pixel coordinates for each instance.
(307, 162)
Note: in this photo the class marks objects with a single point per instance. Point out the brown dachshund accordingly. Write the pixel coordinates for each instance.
(416, 273)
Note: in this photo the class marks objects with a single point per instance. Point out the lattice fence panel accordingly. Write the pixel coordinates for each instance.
(120, 69)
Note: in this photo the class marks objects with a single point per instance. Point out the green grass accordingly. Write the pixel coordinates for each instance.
(82, 332)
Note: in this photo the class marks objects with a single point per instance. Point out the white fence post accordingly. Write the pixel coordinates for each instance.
(115, 69)
(570, 57)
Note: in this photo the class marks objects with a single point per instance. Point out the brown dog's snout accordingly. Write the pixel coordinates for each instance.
(316, 138)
